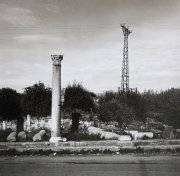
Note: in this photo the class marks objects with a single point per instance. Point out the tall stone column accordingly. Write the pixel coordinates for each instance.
(56, 99)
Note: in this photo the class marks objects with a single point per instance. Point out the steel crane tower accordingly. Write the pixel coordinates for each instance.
(125, 64)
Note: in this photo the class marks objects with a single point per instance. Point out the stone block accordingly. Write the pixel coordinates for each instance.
(42, 133)
(94, 130)
(109, 135)
(39, 136)
(141, 135)
(103, 134)
(22, 136)
(124, 138)
(12, 137)
(133, 133)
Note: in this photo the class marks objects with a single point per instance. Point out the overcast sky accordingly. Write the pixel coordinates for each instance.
(88, 34)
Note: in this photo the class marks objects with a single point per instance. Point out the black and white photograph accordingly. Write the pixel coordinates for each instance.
(89, 87)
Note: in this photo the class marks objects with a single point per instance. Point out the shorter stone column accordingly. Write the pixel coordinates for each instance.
(4, 125)
(28, 123)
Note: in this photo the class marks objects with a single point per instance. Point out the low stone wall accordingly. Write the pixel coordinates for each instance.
(89, 147)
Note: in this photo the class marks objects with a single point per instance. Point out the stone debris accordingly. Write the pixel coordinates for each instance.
(140, 135)
(64, 139)
(39, 136)
(109, 135)
(133, 133)
(103, 134)
(12, 137)
(22, 136)
(85, 124)
(124, 138)
(94, 130)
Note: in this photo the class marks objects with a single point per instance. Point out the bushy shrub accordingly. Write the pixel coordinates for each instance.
(36, 100)
(10, 108)
(114, 110)
(121, 107)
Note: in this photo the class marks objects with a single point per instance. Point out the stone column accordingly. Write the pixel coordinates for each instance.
(4, 125)
(28, 123)
(56, 99)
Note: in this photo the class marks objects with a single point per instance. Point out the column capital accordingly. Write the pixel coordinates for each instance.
(56, 59)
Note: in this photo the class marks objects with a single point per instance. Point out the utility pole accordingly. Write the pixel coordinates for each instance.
(125, 64)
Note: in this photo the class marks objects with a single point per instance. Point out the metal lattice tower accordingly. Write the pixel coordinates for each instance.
(125, 65)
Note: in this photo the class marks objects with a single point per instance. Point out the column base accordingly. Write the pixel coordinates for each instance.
(57, 139)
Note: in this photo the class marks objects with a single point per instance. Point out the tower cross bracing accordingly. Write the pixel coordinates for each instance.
(125, 64)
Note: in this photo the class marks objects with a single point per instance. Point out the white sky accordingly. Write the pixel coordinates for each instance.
(88, 34)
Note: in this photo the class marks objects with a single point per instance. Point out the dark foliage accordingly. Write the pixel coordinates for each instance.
(10, 108)
(164, 106)
(36, 100)
(136, 102)
(4, 134)
(77, 97)
(115, 111)
(121, 107)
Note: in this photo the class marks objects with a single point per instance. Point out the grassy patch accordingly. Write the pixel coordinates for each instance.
(85, 151)
(82, 137)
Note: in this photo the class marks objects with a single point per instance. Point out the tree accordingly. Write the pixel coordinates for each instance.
(10, 107)
(136, 102)
(112, 109)
(77, 99)
(164, 106)
(36, 100)
(173, 108)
